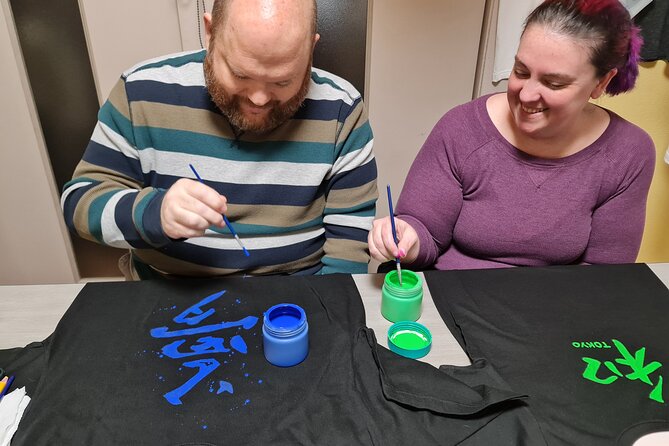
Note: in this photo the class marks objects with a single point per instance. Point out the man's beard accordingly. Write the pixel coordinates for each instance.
(230, 105)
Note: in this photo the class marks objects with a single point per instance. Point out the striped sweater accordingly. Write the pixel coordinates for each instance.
(301, 197)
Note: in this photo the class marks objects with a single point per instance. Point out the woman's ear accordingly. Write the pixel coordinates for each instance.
(600, 88)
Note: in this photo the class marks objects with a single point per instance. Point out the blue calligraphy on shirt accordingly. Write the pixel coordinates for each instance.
(206, 345)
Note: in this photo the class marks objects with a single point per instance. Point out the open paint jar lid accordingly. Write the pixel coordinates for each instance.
(409, 339)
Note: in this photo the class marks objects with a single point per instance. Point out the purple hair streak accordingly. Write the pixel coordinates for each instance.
(627, 74)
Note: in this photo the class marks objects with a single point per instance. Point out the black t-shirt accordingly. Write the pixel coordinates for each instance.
(181, 362)
(588, 344)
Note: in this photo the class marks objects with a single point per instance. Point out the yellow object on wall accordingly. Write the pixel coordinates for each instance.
(647, 105)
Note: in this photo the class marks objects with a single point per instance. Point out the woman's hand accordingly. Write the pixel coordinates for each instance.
(382, 246)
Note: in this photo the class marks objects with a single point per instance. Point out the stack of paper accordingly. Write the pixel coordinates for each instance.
(12, 407)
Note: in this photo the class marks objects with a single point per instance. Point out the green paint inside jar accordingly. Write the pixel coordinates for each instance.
(410, 340)
(409, 279)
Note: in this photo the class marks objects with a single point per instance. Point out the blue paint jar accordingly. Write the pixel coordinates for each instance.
(285, 334)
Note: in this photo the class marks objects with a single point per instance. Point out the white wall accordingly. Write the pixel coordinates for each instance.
(34, 246)
(121, 33)
(484, 84)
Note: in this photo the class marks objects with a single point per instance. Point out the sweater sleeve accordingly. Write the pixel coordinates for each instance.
(431, 198)
(351, 196)
(618, 220)
(106, 201)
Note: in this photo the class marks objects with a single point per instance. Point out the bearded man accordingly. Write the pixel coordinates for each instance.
(283, 150)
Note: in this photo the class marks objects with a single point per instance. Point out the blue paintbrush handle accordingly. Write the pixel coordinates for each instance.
(227, 222)
(392, 226)
(392, 215)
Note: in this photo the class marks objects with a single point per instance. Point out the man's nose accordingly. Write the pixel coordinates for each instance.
(259, 97)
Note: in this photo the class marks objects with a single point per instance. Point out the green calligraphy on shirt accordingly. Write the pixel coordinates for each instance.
(636, 364)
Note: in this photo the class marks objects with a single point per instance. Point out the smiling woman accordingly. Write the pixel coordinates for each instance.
(569, 53)
(549, 88)
(539, 176)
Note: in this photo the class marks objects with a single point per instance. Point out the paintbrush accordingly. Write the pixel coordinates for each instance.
(392, 225)
(227, 222)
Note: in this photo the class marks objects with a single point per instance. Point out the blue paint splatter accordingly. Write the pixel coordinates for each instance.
(237, 342)
(225, 386)
(204, 426)
(260, 381)
(246, 403)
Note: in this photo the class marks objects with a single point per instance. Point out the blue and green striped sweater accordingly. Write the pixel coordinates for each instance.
(301, 197)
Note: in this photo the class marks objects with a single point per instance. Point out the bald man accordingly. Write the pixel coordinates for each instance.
(283, 150)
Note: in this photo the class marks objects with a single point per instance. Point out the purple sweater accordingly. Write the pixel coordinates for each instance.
(478, 202)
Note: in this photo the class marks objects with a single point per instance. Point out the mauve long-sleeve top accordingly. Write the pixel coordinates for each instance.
(476, 201)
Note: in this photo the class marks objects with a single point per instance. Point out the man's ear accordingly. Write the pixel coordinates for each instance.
(600, 88)
(207, 29)
(316, 39)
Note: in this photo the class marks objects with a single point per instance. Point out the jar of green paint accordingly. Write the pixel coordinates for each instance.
(402, 302)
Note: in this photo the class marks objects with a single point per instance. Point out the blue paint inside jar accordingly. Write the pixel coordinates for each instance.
(285, 318)
(285, 335)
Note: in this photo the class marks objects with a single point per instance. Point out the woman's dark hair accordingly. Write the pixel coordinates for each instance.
(605, 26)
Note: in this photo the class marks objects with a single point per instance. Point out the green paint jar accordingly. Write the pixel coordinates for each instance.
(402, 302)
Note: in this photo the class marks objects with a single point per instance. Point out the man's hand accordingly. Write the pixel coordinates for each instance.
(190, 207)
